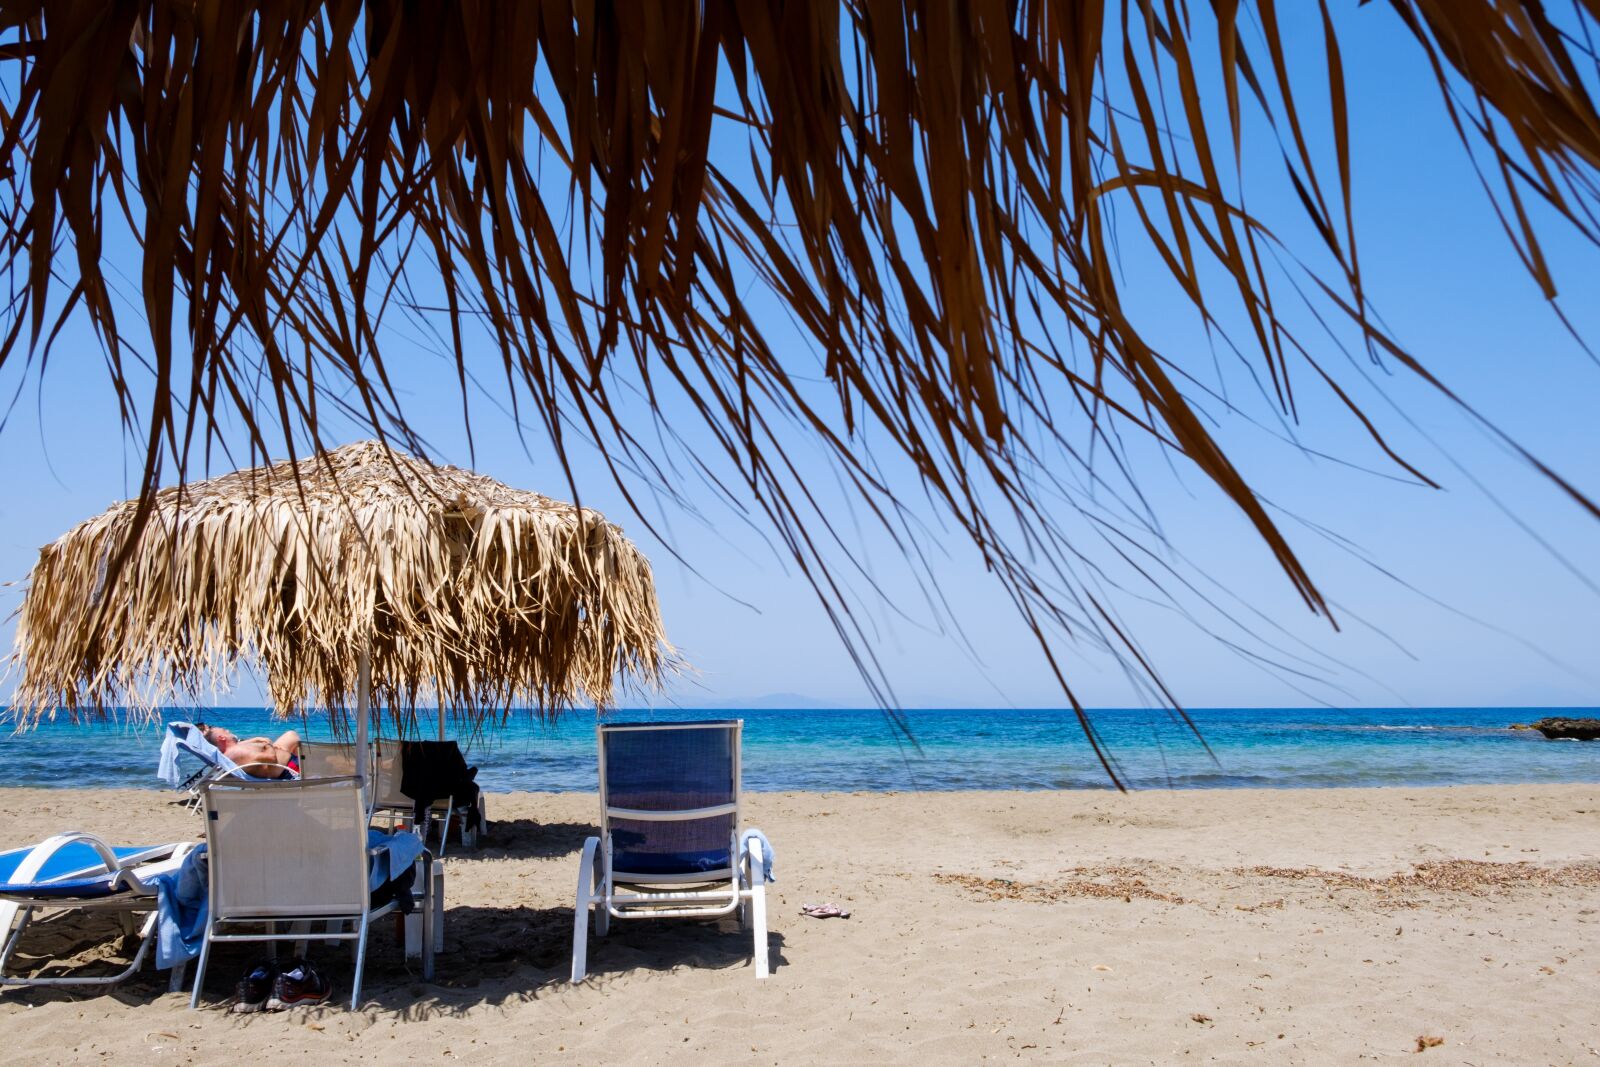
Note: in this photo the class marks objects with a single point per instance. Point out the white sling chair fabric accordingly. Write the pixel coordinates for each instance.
(281, 852)
(387, 798)
(327, 759)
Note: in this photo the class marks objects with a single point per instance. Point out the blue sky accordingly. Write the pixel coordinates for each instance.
(1473, 609)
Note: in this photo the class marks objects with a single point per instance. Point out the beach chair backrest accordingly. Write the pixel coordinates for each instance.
(669, 795)
(387, 776)
(327, 759)
(286, 848)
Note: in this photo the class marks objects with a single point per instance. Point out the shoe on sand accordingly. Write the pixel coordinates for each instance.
(298, 983)
(829, 910)
(254, 989)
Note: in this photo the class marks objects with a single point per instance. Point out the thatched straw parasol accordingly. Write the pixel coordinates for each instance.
(455, 588)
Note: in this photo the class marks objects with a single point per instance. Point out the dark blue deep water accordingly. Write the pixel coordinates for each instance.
(860, 749)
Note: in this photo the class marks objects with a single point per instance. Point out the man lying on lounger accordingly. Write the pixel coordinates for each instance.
(258, 757)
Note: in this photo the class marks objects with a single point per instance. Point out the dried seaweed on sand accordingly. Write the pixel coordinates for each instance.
(1474, 877)
(1115, 883)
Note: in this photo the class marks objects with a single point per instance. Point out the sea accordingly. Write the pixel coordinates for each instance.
(865, 749)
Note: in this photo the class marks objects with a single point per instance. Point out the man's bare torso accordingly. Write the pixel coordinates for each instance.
(259, 757)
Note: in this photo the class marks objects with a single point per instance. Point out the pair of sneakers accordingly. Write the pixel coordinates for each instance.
(273, 985)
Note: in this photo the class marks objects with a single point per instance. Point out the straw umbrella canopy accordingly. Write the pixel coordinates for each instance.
(456, 588)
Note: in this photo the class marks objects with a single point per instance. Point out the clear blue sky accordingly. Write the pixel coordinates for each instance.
(1494, 616)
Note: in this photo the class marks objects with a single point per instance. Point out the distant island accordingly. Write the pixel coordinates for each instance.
(766, 702)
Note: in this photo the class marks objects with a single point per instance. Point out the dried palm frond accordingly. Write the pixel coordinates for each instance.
(468, 594)
(933, 194)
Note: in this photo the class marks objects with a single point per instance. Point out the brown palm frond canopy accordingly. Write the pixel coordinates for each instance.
(467, 593)
(589, 202)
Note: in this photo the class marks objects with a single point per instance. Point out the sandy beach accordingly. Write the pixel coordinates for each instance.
(1314, 926)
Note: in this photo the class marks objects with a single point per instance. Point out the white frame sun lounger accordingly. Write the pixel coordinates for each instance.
(335, 759)
(95, 877)
(691, 890)
(285, 853)
(387, 798)
(185, 738)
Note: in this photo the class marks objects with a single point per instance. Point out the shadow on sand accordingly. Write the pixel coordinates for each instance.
(527, 839)
(495, 956)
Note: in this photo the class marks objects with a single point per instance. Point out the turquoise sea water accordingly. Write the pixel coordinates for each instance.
(860, 749)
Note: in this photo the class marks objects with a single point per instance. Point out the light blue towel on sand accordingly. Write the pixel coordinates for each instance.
(181, 894)
(767, 858)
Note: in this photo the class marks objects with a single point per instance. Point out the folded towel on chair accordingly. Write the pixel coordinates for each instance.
(767, 858)
(399, 851)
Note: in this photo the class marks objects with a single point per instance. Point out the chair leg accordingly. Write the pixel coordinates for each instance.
(13, 934)
(580, 913)
(597, 892)
(758, 913)
(444, 825)
(361, 960)
(430, 915)
(200, 969)
(743, 911)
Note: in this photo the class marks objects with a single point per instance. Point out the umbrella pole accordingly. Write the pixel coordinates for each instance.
(363, 711)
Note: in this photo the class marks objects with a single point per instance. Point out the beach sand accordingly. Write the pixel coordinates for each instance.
(1316, 926)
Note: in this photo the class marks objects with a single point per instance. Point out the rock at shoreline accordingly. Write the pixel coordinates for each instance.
(1571, 729)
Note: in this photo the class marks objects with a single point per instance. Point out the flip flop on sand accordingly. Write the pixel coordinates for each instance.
(829, 910)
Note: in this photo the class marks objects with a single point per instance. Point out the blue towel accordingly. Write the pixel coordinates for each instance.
(400, 850)
(181, 909)
(181, 894)
(767, 858)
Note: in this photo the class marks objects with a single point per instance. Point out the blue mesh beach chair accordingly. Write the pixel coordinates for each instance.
(80, 872)
(670, 844)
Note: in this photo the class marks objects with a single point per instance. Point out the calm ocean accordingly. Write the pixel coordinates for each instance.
(859, 749)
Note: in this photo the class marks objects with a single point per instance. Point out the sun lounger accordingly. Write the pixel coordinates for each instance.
(419, 781)
(185, 739)
(670, 844)
(327, 759)
(80, 872)
(282, 853)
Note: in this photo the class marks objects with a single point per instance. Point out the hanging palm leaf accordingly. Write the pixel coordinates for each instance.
(933, 193)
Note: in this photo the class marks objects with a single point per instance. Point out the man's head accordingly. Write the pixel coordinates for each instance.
(220, 736)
